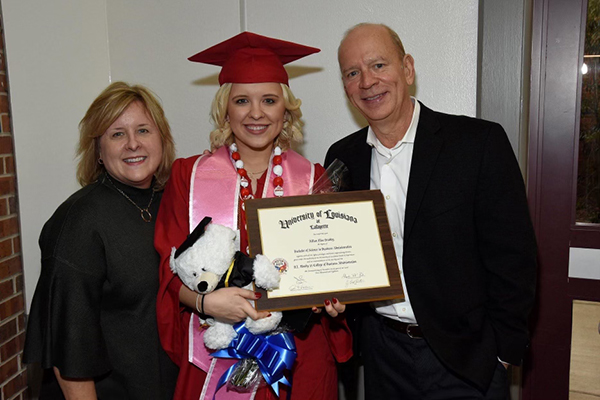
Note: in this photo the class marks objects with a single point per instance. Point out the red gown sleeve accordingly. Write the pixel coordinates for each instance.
(172, 227)
(336, 330)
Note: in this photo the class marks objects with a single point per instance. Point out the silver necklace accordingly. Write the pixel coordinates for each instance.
(144, 212)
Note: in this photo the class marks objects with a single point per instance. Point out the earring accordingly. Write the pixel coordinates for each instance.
(100, 161)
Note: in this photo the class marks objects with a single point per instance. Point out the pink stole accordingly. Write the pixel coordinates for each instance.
(214, 192)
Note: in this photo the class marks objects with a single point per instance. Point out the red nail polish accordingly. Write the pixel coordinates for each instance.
(269, 315)
(257, 295)
(334, 300)
(327, 302)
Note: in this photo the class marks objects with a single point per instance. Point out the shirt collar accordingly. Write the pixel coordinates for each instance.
(409, 136)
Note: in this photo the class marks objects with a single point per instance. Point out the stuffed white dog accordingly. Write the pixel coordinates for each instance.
(208, 258)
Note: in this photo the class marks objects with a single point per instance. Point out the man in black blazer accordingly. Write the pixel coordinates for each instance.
(461, 229)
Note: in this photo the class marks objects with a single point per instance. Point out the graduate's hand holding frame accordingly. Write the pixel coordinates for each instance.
(333, 307)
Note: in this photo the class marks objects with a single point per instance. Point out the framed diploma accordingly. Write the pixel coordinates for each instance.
(325, 245)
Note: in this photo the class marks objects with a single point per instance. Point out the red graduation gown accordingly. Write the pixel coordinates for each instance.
(325, 341)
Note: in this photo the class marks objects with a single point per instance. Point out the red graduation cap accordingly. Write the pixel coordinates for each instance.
(252, 58)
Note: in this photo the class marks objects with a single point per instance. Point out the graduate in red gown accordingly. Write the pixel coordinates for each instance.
(257, 119)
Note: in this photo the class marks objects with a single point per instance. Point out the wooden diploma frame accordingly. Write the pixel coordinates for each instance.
(325, 245)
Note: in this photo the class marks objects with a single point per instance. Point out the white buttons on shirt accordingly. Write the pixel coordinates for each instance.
(387, 197)
(394, 234)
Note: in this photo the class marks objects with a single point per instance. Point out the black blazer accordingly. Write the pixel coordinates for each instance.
(469, 249)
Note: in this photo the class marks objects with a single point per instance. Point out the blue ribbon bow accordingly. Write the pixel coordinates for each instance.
(273, 354)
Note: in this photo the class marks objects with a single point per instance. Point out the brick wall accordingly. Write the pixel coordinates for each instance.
(13, 376)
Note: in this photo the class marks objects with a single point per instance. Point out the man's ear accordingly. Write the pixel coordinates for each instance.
(409, 69)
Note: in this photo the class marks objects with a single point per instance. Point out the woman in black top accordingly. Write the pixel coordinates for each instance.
(93, 315)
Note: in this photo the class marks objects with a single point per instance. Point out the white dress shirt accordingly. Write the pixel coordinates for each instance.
(390, 169)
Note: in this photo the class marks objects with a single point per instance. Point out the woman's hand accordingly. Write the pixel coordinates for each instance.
(333, 307)
(76, 389)
(231, 305)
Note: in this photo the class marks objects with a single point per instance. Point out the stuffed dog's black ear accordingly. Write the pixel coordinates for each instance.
(194, 236)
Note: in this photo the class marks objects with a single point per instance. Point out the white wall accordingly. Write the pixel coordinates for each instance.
(58, 63)
(441, 36)
(150, 41)
(446, 56)
(57, 60)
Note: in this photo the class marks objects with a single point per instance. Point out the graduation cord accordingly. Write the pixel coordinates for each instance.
(245, 192)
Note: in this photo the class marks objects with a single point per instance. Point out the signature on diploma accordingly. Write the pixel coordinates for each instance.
(300, 284)
(354, 279)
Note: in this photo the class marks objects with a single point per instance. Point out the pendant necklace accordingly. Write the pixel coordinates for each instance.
(144, 212)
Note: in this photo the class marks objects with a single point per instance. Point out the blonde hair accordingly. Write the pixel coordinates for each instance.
(105, 110)
(292, 125)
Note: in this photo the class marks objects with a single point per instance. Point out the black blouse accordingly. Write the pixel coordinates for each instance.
(93, 313)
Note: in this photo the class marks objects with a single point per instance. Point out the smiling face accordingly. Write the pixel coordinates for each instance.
(376, 76)
(256, 112)
(131, 148)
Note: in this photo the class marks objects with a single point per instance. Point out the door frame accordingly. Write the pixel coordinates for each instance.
(558, 34)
